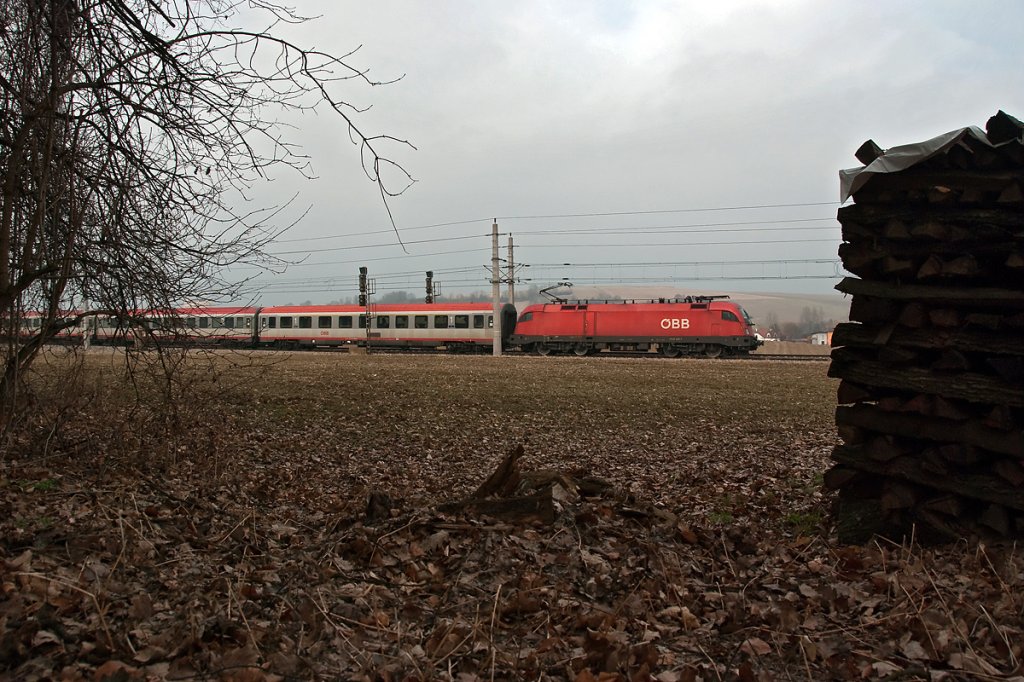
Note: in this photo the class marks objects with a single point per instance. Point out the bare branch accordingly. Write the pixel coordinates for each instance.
(129, 128)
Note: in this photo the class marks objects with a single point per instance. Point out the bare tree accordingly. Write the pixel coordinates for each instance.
(128, 131)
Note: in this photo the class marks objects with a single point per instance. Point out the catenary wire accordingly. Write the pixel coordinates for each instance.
(560, 216)
(665, 229)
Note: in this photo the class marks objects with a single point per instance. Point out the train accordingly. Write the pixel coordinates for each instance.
(702, 326)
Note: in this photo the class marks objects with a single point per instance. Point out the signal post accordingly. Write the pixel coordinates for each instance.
(496, 289)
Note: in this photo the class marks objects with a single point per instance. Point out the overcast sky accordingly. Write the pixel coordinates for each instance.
(651, 111)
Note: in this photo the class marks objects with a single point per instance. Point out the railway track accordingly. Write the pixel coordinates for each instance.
(760, 357)
(788, 357)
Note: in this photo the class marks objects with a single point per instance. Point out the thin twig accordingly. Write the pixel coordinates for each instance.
(803, 652)
(490, 634)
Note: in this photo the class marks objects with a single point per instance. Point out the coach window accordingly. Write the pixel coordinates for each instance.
(218, 322)
(420, 321)
(271, 323)
(345, 322)
(362, 321)
(305, 322)
(478, 322)
(401, 321)
(729, 316)
(204, 323)
(190, 322)
(462, 321)
(286, 322)
(323, 322)
(383, 322)
(440, 321)
(229, 322)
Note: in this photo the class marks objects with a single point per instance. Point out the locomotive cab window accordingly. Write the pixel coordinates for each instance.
(729, 316)
(323, 322)
(286, 322)
(478, 322)
(345, 322)
(383, 322)
(462, 321)
(440, 321)
(420, 321)
(401, 321)
(306, 322)
(526, 317)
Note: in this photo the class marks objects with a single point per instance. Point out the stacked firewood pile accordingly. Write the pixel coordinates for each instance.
(931, 400)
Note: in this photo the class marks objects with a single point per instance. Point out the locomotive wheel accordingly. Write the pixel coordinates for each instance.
(542, 349)
(713, 351)
(670, 351)
(581, 350)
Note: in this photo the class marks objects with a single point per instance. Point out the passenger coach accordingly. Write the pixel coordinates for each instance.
(455, 326)
(223, 325)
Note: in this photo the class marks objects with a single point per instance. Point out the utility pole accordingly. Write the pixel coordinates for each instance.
(496, 288)
(511, 273)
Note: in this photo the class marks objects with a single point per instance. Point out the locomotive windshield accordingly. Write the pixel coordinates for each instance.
(746, 316)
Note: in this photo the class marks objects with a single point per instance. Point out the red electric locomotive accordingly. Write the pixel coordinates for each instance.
(701, 325)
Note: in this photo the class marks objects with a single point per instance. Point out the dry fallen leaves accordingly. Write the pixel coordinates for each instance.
(241, 549)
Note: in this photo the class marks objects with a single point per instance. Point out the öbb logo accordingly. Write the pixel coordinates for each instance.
(675, 323)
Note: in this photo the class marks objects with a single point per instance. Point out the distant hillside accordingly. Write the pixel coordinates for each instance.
(788, 307)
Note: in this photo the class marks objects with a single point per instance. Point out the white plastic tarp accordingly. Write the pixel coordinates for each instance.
(903, 157)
